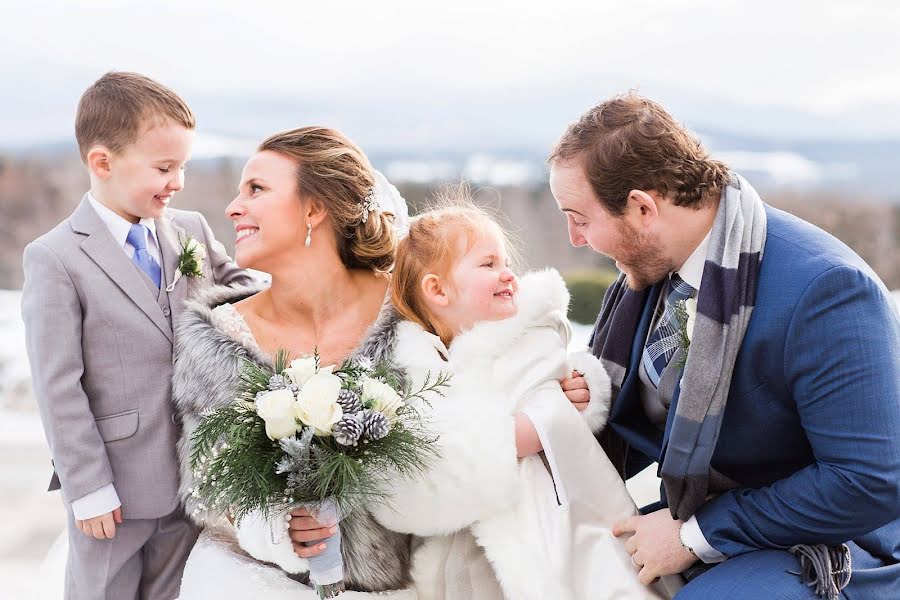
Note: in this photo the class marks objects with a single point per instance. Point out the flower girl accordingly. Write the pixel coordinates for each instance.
(522, 502)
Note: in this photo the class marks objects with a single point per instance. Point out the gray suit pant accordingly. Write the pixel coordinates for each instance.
(145, 560)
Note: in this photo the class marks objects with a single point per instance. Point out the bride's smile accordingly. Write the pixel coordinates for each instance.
(244, 231)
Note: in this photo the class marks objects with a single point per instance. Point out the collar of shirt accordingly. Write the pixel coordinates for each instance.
(692, 269)
(119, 226)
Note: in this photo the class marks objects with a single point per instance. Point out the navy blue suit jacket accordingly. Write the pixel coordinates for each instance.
(811, 428)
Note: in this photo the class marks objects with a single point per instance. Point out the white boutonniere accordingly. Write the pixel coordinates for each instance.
(190, 261)
(686, 315)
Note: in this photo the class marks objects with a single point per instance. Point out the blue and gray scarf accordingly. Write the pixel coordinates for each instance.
(724, 306)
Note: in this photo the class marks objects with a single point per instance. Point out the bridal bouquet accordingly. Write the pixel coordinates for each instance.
(307, 435)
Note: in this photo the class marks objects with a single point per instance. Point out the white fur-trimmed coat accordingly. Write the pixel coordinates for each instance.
(544, 529)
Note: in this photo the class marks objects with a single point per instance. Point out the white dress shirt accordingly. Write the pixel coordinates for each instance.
(119, 228)
(104, 500)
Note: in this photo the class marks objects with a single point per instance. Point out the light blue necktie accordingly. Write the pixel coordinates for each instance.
(663, 342)
(137, 237)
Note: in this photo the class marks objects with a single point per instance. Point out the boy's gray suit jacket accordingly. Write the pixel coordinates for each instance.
(99, 337)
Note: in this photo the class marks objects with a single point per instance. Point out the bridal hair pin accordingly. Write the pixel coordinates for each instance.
(369, 204)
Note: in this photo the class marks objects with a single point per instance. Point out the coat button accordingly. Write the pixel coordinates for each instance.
(166, 311)
(175, 419)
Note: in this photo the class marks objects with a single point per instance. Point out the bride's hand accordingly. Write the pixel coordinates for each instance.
(576, 390)
(304, 529)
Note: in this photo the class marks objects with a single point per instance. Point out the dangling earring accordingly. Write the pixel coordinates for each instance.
(308, 235)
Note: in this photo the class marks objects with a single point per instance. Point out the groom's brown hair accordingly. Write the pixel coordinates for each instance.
(113, 111)
(630, 142)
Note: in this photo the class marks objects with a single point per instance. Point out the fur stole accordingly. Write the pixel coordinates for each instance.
(206, 371)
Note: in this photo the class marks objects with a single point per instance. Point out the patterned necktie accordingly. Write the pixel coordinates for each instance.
(137, 237)
(663, 342)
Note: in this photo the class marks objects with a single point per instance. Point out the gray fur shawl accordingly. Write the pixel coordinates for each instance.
(207, 363)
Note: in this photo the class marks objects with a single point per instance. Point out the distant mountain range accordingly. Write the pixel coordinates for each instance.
(865, 168)
(502, 136)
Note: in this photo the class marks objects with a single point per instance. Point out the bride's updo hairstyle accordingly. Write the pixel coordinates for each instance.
(437, 238)
(334, 172)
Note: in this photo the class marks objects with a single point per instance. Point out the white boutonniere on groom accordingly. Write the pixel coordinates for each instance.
(190, 261)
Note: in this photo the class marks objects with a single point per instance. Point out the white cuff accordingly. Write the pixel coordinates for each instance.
(99, 502)
(693, 538)
(599, 389)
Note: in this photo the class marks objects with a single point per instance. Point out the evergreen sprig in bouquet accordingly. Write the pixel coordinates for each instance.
(307, 435)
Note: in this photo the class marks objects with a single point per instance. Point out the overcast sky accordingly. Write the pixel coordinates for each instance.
(837, 62)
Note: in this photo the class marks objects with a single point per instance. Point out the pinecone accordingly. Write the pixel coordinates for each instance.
(376, 424)
(348, 430)
(277, 382)
(349, 401)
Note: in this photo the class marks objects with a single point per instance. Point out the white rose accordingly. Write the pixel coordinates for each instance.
(278, 410)
(690, 305)
(317, 404)
(198, 249)
(302, 369)
(382, 396)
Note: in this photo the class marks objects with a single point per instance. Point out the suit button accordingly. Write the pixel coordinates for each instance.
(166, 311)
(175, 419)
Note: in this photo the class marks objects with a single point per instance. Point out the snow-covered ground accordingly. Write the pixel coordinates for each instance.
(33, 518)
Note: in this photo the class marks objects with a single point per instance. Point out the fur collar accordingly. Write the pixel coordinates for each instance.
(198, 315)
(200, 344)
(543, 299)
(419, 351)
(377, 342)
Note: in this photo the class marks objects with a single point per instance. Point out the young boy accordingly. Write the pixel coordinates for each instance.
(98, 305)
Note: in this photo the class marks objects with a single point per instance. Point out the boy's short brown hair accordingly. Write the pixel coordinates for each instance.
(114, 109)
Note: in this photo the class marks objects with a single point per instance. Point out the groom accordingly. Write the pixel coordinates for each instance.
(774, 413)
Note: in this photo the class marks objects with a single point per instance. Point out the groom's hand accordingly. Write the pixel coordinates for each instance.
(576, 390)
(303, 530)
(655, 547)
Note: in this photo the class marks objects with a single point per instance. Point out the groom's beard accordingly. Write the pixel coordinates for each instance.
(641, 258)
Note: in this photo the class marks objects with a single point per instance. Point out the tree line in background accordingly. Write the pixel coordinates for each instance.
(38, 192)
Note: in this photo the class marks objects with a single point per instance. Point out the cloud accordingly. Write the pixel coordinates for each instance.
(827, 58)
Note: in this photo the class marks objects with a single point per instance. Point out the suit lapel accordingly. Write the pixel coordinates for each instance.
(170, 238)
(628, 393)
(100, 246)
(627, 416)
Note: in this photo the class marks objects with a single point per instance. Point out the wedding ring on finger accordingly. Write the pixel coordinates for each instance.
(635, 563)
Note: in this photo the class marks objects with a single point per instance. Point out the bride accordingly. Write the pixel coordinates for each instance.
(305, 215)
